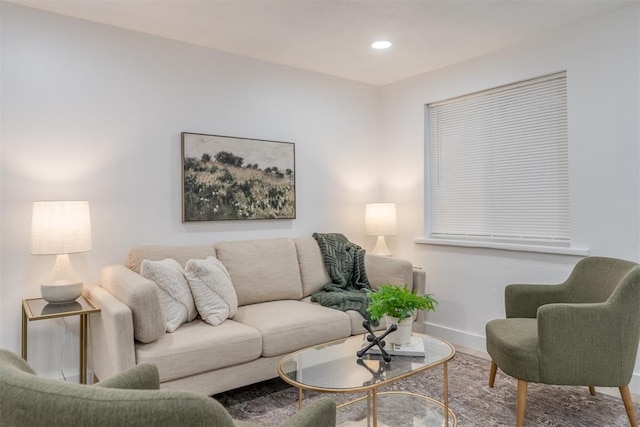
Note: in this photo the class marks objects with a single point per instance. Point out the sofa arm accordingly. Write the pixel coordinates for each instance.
(141, 296)
(420, 288)
(522, 300)
(386, 270)
(110, 334)
(419, 281)
(584, 344)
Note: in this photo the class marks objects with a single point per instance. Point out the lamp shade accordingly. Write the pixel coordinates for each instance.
(380, 219)
(60, 227)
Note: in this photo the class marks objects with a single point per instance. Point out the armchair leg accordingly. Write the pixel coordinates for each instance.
(628, 405)
(492, 373)
(522, 402)
(592, 390)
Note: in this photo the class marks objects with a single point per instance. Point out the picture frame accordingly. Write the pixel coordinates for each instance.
(232, 178)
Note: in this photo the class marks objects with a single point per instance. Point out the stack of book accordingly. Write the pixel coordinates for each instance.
(414, 348)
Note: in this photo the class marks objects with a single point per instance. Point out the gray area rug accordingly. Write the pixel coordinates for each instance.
(470, 398)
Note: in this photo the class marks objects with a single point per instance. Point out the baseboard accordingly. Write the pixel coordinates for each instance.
(457, 337)
(477, 343)
(634, 386)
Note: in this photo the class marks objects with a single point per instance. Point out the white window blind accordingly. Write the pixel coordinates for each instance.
(499, 164)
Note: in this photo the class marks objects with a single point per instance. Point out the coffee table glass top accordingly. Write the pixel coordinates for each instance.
(335, 367)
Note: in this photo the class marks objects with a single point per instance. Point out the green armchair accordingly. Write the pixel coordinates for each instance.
(131, 398)
(584, 331)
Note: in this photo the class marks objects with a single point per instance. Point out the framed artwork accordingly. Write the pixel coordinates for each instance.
(230, 178)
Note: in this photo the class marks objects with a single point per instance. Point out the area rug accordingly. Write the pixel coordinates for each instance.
(470, 398)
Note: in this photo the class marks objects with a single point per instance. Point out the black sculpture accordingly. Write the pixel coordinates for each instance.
(376, 340)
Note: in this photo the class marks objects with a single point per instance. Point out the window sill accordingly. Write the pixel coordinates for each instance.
(504, 246)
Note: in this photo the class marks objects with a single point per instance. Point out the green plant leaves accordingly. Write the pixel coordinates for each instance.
(397, 301)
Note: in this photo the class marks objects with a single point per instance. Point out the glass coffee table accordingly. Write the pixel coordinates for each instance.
(335, 368)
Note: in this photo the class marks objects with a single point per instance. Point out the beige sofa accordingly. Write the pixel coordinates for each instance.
(273, 280)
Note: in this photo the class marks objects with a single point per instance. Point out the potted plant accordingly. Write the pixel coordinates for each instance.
(398, 305)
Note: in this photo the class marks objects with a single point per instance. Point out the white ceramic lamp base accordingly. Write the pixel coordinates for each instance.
(65, 287)
(60, 294)
(381, 248)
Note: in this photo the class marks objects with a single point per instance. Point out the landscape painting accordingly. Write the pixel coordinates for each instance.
(230, 178)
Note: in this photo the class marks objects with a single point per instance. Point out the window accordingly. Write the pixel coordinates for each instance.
(498, 165)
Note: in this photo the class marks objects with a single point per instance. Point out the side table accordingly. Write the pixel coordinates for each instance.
(39, 309)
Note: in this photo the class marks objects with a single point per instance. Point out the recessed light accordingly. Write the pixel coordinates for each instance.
(381, 44)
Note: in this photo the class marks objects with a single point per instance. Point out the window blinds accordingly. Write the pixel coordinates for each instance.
(499, 164)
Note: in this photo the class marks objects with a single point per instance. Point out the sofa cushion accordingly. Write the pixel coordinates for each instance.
(177, 301)
(288, 325)
(262, 270)
(312, 270)
(212, 290)
(198, 347)
(355, 319)
(156, 253)
(356, 323)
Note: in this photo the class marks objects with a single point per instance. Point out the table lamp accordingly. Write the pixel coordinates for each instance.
(61, 228)
(380, 220)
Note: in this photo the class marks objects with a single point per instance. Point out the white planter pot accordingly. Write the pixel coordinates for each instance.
(402, 336)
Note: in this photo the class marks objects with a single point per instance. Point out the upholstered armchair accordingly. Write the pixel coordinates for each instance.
(583, 332)
(130, 398)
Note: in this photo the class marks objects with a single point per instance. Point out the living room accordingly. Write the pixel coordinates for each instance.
(95, 112)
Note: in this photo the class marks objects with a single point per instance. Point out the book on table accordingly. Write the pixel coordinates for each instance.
(414, 348)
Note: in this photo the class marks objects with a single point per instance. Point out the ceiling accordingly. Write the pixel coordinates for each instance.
(333, 37)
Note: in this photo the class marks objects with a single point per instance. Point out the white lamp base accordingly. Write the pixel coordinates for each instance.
(381, 248)
(64, 287)
(63, 293)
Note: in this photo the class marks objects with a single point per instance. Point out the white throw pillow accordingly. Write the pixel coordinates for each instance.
(175, 294)
(212, 289)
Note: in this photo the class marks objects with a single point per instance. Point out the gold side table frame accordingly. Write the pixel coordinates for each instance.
(39, 309)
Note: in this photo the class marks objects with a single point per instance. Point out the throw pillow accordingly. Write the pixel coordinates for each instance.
(212, 289)
(175, 295)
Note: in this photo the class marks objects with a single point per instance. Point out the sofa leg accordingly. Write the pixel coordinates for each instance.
(592, 390)
(628, 405)
(522, 402)
(492, 373)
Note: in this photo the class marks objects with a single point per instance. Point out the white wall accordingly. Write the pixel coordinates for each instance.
(602, 59)
(95, 112)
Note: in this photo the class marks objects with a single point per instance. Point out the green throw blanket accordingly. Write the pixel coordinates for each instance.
(345, 263)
